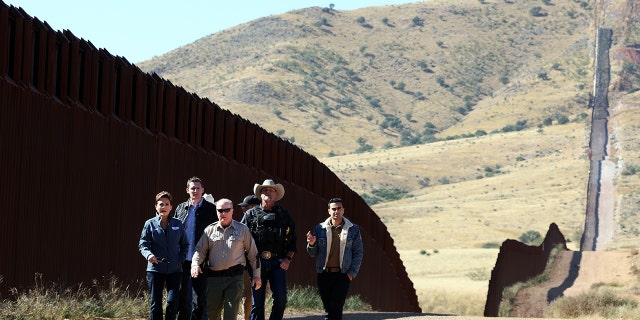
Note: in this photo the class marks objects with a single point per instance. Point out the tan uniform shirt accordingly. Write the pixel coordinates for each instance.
(226, 247)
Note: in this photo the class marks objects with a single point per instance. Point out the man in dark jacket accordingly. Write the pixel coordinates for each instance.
(274, 232)
(196, 214)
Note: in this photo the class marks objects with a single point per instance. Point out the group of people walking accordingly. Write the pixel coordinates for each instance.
(207, 261)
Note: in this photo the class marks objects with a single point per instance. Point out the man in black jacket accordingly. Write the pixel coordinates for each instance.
(274, 232)
(196, 214)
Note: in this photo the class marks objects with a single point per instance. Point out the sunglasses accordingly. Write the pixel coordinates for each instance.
(224, 210)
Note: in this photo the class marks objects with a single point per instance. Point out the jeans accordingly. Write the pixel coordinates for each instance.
(333, 288)
(157, 282)
(277, 278)
(193, 295)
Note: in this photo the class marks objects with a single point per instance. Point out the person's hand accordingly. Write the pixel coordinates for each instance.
(284, 264)
(350, 277)
(195, 271)
(256, 283)
(152, 258)
(311, 239)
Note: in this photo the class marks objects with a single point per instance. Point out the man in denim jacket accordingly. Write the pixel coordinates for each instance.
(337, 245)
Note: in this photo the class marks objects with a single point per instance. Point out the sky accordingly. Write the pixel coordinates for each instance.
(142, 29)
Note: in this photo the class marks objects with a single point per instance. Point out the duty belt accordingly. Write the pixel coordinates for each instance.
(236, 270)
(268, 254)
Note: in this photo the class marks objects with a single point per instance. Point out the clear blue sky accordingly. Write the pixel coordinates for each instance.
(141, 29)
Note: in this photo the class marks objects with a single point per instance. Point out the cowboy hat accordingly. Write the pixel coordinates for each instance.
(257, 188)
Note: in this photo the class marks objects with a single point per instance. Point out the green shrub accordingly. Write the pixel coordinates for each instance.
(490, 245)
(629, 170)
(369, 199)
(417, 22)
(537, 12)
(531, 237)
(390, 194)
(424, 182)
(563, 119)
(364, 148)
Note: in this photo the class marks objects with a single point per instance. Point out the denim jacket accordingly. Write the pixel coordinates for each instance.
(351, 249)
(170, 244)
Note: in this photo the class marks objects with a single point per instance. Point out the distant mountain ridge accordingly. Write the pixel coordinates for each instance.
(336, 82)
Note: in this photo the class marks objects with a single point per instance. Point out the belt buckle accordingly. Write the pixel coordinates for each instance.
(265, 254)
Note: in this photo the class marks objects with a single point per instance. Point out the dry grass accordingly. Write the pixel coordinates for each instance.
(102, 299)
(450, 281)
(548, 186)
(604, 301)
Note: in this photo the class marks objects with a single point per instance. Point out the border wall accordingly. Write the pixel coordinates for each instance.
(518, 262)
(598, 138)
(88, 139)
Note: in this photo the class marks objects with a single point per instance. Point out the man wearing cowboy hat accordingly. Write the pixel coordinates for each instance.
(273, 230)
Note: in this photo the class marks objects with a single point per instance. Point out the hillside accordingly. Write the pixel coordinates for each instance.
(336, 81)
(463, 123)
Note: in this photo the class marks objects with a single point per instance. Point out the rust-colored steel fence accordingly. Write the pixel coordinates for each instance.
(518, 262)
(87, 140)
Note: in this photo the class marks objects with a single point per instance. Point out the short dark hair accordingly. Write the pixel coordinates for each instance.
(166, 195)
(195, 179)
(335, 200)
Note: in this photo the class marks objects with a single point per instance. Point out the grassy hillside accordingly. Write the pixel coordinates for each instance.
(335, 82)
(482, 189)
(463, 123)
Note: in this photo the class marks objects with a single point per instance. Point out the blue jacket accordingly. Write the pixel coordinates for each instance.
(351, 249)
(170, 244)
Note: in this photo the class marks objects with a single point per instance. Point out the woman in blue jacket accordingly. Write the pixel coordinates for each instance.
(337, 245)
(164, 244)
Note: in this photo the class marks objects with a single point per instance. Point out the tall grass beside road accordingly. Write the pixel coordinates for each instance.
(110, 298)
